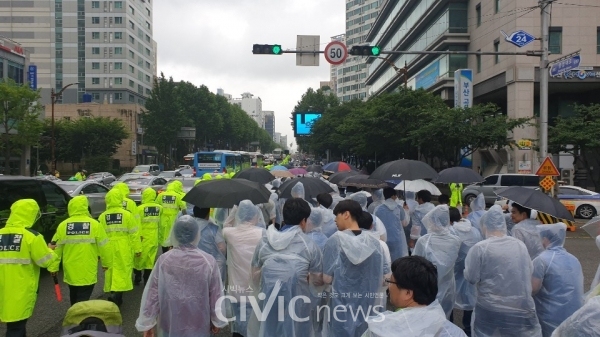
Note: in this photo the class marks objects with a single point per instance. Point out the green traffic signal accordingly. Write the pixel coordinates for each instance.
(276, 49)
(375, 51)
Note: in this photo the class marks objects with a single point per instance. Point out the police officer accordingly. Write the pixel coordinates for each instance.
(80, 175)
(122, 230)
(148, 214)
(171, 202)
(79, 241)
(128, 204)
(456, 195)
(22, 252)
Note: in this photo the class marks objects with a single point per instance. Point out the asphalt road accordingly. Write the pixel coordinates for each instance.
(48, 314)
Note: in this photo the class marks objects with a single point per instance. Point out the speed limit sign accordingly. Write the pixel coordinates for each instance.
(336, 52)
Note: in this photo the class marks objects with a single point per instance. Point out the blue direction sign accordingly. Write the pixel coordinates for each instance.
(565, 65)
(520, 38)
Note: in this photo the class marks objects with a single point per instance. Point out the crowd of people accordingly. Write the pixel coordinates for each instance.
(331, 265)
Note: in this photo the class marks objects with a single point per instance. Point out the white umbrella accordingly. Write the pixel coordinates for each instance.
(417, 185)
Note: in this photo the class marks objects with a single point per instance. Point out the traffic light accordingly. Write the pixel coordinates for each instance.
(365, 51)
(267, 49)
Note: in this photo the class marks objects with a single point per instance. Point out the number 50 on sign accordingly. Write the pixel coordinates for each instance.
(336, 52)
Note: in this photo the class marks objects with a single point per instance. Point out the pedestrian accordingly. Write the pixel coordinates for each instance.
(288, 264)
(182, 296)
(378, 226)
(477, 207)
(22, 252)
(456, 195)
(172, 203)
(325, 200)
(424, 206)
(465, 291)
(413, 287)
(123, 234)
(377, 200)
(80, 175)
(441, 248)
(394, 219)
(128, 204)
(353, 262)
(211, 239)
(596, 281)
(79, 241)
(241, 240)
(501, 269)
(443, 200)
(557, 280)
(148, 216)
(526, 229)
(314, 228)
(584, 322)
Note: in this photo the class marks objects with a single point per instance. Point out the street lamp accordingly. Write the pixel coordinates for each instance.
(53, 98)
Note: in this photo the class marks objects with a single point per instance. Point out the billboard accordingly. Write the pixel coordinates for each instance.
(428, 76)
(463, 88)
(303, 122)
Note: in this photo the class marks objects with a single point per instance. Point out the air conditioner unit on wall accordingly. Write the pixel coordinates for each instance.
(567, 176)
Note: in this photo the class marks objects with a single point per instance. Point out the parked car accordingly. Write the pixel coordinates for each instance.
(188, 182)
(95, 193)
(168, 174)
(185, 167)
(126, 176)
(185, 172)
(497, 181)
(52, 199)
(105, 178)
(153, 169)
(138, 184)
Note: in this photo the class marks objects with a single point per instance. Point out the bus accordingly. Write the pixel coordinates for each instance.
(246, 159)
(278, 154)
(218, 161)
(257, 159)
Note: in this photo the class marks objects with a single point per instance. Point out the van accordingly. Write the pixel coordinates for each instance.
(495, 182)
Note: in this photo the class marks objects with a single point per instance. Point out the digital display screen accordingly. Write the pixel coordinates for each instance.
(304, 122)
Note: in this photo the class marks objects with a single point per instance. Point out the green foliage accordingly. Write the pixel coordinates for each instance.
(20, 121)
(98, 163)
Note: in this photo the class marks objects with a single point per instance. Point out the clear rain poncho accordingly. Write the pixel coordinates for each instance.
(477, 211)
(465, 291)
(378, 226)
(527, 232)
(314, 228)
(329, 226)
(596, 280)
(298, 191)
(441, 248)
(378, 199)
(211, 242)
(347, 261)
(394, 220)
(182, 294)
(557, 280)
(241, 240)
(418, 229)
(278, 216)
(584, 322)
(501, 269)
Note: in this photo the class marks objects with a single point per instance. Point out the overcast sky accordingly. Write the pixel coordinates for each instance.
(210, 42)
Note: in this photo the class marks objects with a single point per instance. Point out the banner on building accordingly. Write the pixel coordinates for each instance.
(32, 76)
(463, 88)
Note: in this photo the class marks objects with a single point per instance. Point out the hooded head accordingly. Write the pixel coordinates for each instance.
(377, 195)
(247, 213)
(175, 186)
(78, 206)
(114, 198)
(185, 232)
(478, 204)
(123, 188)
(189, 208)
(298, 191)
(492, 223)
(553, 235)
(437, 220)
(219, 177)
(148, 195)
(276, 183)
(315, 220)
(23, 213)
(361, 198)
(206, 176)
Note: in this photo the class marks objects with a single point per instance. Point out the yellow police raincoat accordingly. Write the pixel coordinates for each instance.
(171, 202)
(22, 252)
(128, 204)
(149, 214)
(79, 241)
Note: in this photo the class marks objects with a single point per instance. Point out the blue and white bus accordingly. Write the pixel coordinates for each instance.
(218, 161)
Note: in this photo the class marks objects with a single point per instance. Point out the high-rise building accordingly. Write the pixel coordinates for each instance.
(283, 142)
(270, 122)
(104, 46)
(252, 106)
(334, 68)
(277, 137)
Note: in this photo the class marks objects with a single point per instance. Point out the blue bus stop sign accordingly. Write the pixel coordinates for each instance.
(519, 38)
(565, 65)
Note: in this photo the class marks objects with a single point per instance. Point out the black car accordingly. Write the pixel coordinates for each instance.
(53, 201)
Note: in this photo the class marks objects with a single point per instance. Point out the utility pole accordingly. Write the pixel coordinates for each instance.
(545, 6)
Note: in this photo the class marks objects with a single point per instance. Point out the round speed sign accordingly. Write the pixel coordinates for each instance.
(336, 52)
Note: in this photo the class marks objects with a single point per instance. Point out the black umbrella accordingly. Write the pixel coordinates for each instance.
(225, 193)
(312, 187)
(404, 169)
(258, 175)
(530, 198)
(458, 175)
(336, 178)
(315, 168)
(363, 181)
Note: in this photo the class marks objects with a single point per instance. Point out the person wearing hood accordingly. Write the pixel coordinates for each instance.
(325, 200)
(526, 229)
(172, 203)
(557, 281)
(425, 206)
(128, 204)
(477, 211)
(314, 228)
(501, 269)
(394, 219)
(278, 217)
(79, 241)
(377, 200)
(596, 281)
(298, 191)
(413, 287)
(241, 240)
(149, 215)
(456, 194)
(211, 238)
(441, 248)
(378, 227)
(584, 322)
(207, 177)
(182, 296)
(23, 252)
(353, 262)
(465, 291)
(289, 264)
(123, 234)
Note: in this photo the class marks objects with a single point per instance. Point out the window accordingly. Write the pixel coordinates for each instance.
(118, 50)
(118, 80)
(131, 39)
(118, 96)
(119, 20)
(478, 57)
(147, 64)
(147, 51)
(131, 84)
(555, 43)
(131, 98)
(148, 12)
(118, 4)
(478, 12)
(95, 35)
(131, 69)
(131, 54)
(96, 20)
(96, 65)
(96, 50)
(147, 78)
(118, 35)
(496, 49)
(118, 65)
(148, 92)
(131, 24)
(148, 38)
(95, 80)
(131, 10)
(496, 6)
(95, 4)
(96, 96)
(148, 25)
(512, 180)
